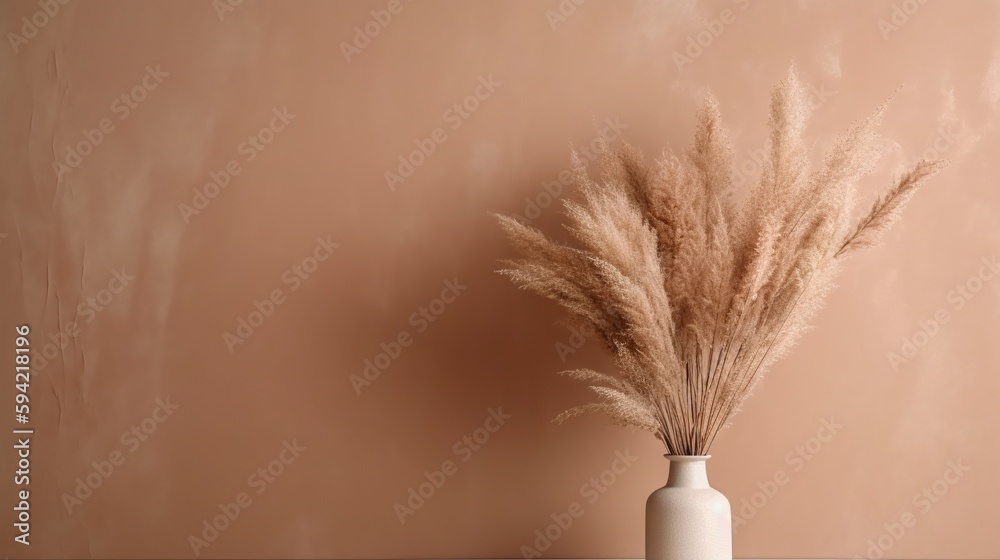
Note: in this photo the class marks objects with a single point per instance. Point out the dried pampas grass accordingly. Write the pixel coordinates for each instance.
(693, 296)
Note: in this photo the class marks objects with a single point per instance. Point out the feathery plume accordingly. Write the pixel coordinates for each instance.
(694, 297)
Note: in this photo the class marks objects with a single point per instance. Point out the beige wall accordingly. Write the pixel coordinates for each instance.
(323, 175)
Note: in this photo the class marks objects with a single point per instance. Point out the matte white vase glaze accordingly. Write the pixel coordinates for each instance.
(687, 519)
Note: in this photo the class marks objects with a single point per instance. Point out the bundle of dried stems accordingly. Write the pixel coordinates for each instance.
(693, 296)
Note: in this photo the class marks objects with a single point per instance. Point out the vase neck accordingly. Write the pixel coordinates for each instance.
(687, 472)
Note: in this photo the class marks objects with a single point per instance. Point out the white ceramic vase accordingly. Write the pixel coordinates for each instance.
(687, 519)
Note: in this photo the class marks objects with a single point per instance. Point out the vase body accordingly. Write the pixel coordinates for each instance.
(687, 519)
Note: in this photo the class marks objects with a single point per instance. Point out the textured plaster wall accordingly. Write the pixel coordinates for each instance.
(134, 269)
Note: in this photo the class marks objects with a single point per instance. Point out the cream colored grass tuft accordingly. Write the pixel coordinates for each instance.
(693, 296)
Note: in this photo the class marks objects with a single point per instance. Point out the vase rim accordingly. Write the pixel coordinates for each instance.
(686, 458)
